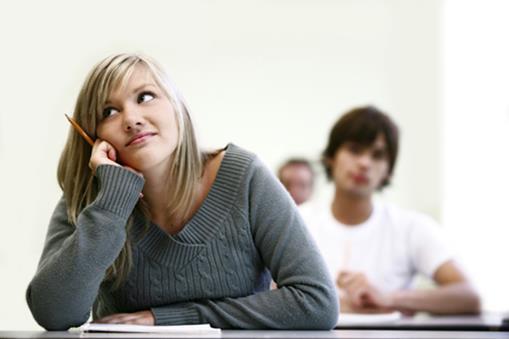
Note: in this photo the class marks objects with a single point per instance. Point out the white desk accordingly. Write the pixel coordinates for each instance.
(423, 322)
(343, 334)
(487, 326)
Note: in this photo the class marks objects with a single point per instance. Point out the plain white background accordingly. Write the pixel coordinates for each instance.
(272, 77)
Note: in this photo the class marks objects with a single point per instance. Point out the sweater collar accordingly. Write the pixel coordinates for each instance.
(206, 223)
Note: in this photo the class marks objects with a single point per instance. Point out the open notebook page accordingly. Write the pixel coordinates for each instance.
(176, 329)
(355, 318)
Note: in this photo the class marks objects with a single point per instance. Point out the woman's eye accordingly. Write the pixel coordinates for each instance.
(145, 96)
(109, 111)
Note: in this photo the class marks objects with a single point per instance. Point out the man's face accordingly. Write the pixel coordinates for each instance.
(359, 170)
(298, 180)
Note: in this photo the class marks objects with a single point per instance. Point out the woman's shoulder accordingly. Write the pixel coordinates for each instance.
(238, 162)
(242, 170)
(238, 153)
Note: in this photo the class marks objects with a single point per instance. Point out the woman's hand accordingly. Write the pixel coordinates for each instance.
(136, 318)
(103, 153)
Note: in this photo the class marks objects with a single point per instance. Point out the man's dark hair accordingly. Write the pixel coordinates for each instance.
(362, 125)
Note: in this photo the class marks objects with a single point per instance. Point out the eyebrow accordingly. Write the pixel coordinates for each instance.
(134, 90)
(142, 86)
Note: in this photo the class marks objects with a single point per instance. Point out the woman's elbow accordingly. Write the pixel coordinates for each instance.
(326, 320)
(51, 324)
(329, 313)
(57, 322)
(50, 319)
(325, 310)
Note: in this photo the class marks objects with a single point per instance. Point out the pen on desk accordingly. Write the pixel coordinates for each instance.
(80, 130)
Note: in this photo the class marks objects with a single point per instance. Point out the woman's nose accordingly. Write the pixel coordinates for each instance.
(132, 118)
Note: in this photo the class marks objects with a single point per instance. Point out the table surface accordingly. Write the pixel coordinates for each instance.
(344, 334)
(488, 325)
(426, 322)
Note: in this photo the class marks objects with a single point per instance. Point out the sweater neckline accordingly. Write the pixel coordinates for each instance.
(205, 224)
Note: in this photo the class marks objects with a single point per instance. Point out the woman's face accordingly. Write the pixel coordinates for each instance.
(139, 121)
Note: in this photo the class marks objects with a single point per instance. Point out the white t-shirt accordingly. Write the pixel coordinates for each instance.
(390, 247)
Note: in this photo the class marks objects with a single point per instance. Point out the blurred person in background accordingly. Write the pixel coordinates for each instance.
(375, 249)
(298, 177)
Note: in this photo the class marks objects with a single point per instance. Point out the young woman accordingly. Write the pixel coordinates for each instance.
(152, 230)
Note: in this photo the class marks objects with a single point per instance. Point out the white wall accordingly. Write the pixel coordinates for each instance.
(476, 141)
(271, 76)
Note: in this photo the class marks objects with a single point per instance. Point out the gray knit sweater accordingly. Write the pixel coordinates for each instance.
(216, 270)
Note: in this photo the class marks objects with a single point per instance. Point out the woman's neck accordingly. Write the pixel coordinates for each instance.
(351, 210)
(156, 195)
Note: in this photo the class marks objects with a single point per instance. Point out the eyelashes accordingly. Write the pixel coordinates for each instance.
(143, 97)
(108, 111)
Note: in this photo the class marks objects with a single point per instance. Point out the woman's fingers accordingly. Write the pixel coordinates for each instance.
(119, 318)
(112, 154)
(136, 318)
(103, 153)
(110, 319)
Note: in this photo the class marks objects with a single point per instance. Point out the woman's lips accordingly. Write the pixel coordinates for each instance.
(140, 138)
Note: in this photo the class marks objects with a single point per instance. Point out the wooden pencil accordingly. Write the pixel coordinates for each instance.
(80, 130)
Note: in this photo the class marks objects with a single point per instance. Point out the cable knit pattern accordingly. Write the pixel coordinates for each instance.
(216, 270)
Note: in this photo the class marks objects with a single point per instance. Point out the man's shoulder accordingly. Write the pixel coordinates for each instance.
(315, 213)
(313, 208)
(400, 217)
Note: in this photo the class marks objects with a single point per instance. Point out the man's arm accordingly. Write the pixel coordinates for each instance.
(429, 253)
(453, 295)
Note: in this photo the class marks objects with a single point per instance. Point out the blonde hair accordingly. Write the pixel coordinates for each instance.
(79, 185)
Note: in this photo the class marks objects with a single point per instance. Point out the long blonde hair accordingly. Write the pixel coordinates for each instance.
(79, 185)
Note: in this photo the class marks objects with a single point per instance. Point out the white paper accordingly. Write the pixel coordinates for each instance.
(356, 318)
(185, 329)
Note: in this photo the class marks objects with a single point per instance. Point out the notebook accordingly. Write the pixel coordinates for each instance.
(377, 318)
(194, 330)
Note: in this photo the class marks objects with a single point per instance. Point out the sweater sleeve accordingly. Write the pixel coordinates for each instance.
(75, 257)
(305, 298)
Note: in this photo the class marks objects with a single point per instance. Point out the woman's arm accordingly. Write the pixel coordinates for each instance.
(305, 298)
(76, 257)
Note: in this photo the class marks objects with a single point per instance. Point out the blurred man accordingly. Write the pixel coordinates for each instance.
(373, 249)
(297, 175)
